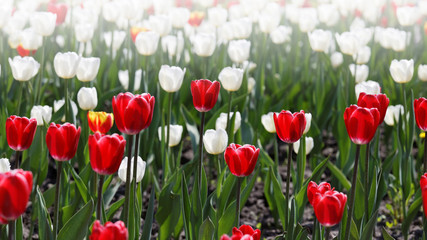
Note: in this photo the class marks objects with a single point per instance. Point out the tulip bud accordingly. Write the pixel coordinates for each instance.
(422, 72)
(361, 133)
(392, 114)
(84, 32)
(231, 78)
(171, 78)
(363, 55)
(267, 121)
(124, 79)
(309, 144)
(43, 114)
(281, 34)
(175, 134)
(4, 165)
(43, 23)
(402, 70)
(308, 118)
(20, 132)
(239, 50)
(23, 68)
(203, 44)
(348, 42)
(336, 59)
(58, 104)
(369, 87)
(241, 160)
(147, 42)
(361, 71)
(290, 126)
(59, 9)
(87, 98)
(88, 69)
(320, 40)
(141, 165)
(205, 94)
(66, 64)
(215, 141)
(106, 152)
(221, 121)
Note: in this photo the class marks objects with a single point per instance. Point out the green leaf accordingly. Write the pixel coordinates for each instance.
(386, 236)
(279, 199)
(339, 175)
(207, 230)
(44, 222)
(368, 231)
(77, 226)
(413, 210)
(113, 208)
(148, 223)
(80, 185)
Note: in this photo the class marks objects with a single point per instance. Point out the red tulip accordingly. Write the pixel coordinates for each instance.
(245, 232)
(378, 101)
(290, 127)
(106, 152)
(25, 52)
(205, 94)
(20, 132)
(361, 123)
(133, 113)
(241, 160)
(420, 110)
(100, 121)
(110, 231)
(62, 141)
(59, 9)
(196, 18)
(15, 190)
(313, 189)
(329, 207)
(423, 184)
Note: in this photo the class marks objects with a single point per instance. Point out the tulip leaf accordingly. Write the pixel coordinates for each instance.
(369, 228)
(77, 226)
(80, 185)
(49, 196)
(354, 232)
(410, 215)
(44, 222)
(225, 193)
(18, 229)
(113, 209)
(148, 223)
(185, 201)
(280, 200)
(386, 235)
(207, 230)
(227, 220)
(339, 175)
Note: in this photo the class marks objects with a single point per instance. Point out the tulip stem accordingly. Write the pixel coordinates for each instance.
(128, 181)
(425, 155)
(352, 194)
(66, 101)
(57, 192)
(135, 165)
(367, 182)
(17, 157)
(21, 90)
(228, 114)
(327, 232)
(288, 182)
(100, 202)
(276, 151)
(202, 123)
(239, 184)
(39, 84)
(12, 230)
(169, 126)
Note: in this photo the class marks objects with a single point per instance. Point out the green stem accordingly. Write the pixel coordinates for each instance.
(367, 182)
(128, 181)
(100, 202)
(18, 155)
(135, 165)
(202, 123)
(228, 114)
(66, 101)
(12, 230)
(40, 80)
(276, 151)
(288, 182)
(57, 193)
(327, 232)
(169, 124)
(352, 194)
(239, 184)
(315, 227)
(425, 154)
(20, 91)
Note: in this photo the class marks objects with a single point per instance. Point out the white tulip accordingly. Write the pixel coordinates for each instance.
(124, 79)
(239, 50)
(88, 69)
(328, 14)
(267, 121)
(203, 44)
(402, 70)
(336, 59)
(368, 87)
(349, 43)
(231, 78)
(58, 104)
(147, 42)
(4, 165)
(175, 134)
(392, 114)
(251, 84)
(407, 16)
(363, 55)
(281, 34)
(361, 72)
(217, 16)
(422, 72)
(43, 114)
(215, 141)
(141, 165)
(66, 64)
(173, 45)
(161, 24)
(308, 118)
(422, 5)
(116, 38)
(320, 40)
(43, 23)
(309, 145)
(171, 78)
(30, 40)
(221, 121)
(179, 16)
(87, 98)
(364, 35)
(84, 32)
(307, 20)
(23, 68)
(5, 14)
(241, 28)
(109, 11)
(268, 22)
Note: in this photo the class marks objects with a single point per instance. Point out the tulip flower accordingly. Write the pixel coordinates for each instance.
(329, 207)
(100, 121)
(173, 45)
(245, 232)
(378, 101)
(66, 64)
(290, 126)
(111, 231)
(215, 141)
(4, 165)
(281, 34)
(196, 18)
(420, 110)
(402, 71)
(320, 40)
(359, 72)
(87, 98)
(174, 136)
(336, 59)
(368, 87)
(161, 24)
(309, 145)
(106, 152)
(30, 39)
(62, 141)
(43, 114)
(361, 133)
(124, 79)
(205, 94)
(363, 55)
(171, 78)
(231, 78)
(147, 42)
(133, 113)
(84, 32)
(123, 169)
(204, 44)
(43, 23)
(88, 69)
(115, 38)
(25, 52)
(221, 121)
(313, 189)
(23, 68)
(179, 16)
(308, 118)
(59, 9)
(20, 132)
(58, 104)
(423, 185)
(239, 50)
(328, 14)
(217, 16)
(422, 72)
(307, 19)
(348, 42)
(407, 16)
(267, 121)
(393, 113)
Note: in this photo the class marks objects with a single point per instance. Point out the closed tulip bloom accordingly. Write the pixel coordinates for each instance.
(175, 134)
(231, 78)
(43, 114)
(393, 113)
(423, 185)
(281, 34)
(363, 55)
(420, 110)
(133, 113)
(100, 121)
(205, 94)
(313, 189)
(59, 9)
(20, 132)
(124, 79)
(221, 121)
(379, 101)
(320, 40)
(58, 104)
(179, 16)
(62, 141)
(161, 24)
(196, 18)
(140, 168)
(268, 22)
(307, 19)
(84, 32)
(88, 69)
(15, 190)
(66, 64)
(290, 126)
(116, 38)
(171, 78)
(328, 14)
(337, 59)
(308, 118)
(147, 42)
(361, 72)
(215, 141)
(241, 160)
(30, 40)
(309, 145)
(23, 68)
(239, 50)
(361, 123)
(368, 87)
(329, 207)
(4, 165)
(109, 11)
(241, 28)
(217, 16)
(110, 231)
(106, 152)
(267, 121)
(422, 72)
(244, 232)
(43, 23)
(87, 98)
(348, 42)
(402, 71)
(407, 16)
(204, 44)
